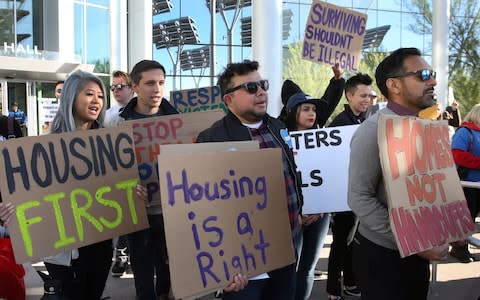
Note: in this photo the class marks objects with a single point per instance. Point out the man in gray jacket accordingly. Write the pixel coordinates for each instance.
(408, 82)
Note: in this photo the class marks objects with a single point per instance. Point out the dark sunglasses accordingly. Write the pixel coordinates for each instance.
(251, 87)
(119, 87)
(58, 91)
(423, 74)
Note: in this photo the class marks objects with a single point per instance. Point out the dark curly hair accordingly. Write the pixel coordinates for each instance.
(233, 69)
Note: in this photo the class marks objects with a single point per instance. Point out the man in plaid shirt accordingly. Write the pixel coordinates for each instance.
(245, 94)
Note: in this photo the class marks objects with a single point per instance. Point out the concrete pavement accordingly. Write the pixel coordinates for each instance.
(454, 281)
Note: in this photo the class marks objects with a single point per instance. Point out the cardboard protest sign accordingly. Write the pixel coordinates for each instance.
(334, 34)
(230, 211)
(322, 157)
(206, 147)
(70, 190)
(198, 99)
(150, 133)
(427, 206)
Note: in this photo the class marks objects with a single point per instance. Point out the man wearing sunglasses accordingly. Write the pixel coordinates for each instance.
(244, 92)
(408, 82)
(122, 92)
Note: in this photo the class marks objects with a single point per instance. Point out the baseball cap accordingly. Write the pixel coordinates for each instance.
(297, 99)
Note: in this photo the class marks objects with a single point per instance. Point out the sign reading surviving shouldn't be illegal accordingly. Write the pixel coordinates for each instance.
(334, 34)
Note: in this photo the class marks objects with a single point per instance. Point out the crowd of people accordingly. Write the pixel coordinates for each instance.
(364, 260)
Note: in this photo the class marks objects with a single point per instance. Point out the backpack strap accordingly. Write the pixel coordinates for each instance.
(11, 128)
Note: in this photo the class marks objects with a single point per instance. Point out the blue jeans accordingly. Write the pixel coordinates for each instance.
(313, 238)
(148, 257)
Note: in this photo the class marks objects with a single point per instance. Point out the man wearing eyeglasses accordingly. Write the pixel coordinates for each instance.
(122, 92)
(244, 92)
(408, 82)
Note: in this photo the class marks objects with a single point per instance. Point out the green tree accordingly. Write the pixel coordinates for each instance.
(464, 45)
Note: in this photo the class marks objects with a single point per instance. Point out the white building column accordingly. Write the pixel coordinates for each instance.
(118, 36)
(140, 42)
(267, 47)
(440, 42)
(66, 33)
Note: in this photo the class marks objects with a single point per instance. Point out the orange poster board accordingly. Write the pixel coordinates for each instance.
(70, 190)
(225, 213)
(427, 206)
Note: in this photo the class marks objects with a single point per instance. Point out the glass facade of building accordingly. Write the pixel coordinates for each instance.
(75, 32)
(398, 14)
(92, 33)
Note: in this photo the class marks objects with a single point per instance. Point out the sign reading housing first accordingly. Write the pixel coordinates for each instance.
(70, 190)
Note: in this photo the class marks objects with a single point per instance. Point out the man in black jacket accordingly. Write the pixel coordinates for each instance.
(245, 95)
(357, 91)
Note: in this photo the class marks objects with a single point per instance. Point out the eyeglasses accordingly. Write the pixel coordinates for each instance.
(423, 74)
(119, 87)
(251, 87)
(58, 91)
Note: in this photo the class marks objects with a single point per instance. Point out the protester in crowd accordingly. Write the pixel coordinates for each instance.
(18, 114)
(12, 286)
(58, 89)
(148, 250)
(326, 104)
(300, 114)
(466, 154)
(245, 94)
(122, 92)
(9, 128)
(358, 91)
(454, 118)
(83, 272)
(408, 82)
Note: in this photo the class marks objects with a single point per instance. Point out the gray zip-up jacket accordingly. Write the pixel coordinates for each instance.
(366, 190)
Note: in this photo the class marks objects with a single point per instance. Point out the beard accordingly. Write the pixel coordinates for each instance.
(254, 116)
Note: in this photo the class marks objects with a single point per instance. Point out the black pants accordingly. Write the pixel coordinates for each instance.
(86, 277)
(473, 201)
(383, 274)
(340, 258)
